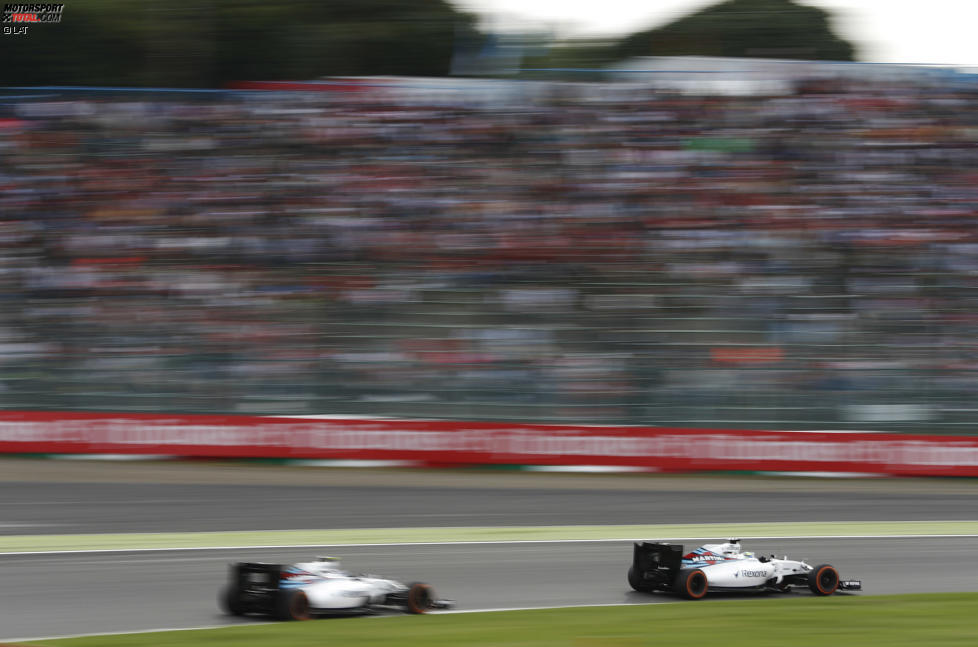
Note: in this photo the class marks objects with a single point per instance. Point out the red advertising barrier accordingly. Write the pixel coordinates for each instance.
(459, 442)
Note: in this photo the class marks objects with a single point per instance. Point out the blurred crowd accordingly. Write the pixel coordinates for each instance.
(590, 253)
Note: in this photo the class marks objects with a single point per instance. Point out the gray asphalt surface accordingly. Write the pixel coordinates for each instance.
(105, 508)
(55, 595)
(53, 497)
(51, 595)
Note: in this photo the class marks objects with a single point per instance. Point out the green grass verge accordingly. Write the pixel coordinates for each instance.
(892, 621)
(133, 541)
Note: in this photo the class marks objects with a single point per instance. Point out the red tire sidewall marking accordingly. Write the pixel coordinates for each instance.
(818, 580)
(694, 576)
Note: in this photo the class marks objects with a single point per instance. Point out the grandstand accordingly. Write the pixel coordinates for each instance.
(596, 253)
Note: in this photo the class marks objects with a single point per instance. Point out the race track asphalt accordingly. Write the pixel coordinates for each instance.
(53, 497)
(81, 593)
(55, 595)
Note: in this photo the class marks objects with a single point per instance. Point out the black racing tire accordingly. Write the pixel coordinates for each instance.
(420, 598)
(823, 579)
(229, 599)
(691, 583)
(292, 605)
(637, 583)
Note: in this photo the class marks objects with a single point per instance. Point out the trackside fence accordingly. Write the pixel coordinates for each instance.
(457, 443)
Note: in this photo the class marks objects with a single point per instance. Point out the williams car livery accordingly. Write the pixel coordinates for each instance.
(301, 591)
(664, 567)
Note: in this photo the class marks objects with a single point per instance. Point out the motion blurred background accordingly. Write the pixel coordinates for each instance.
(369, 207)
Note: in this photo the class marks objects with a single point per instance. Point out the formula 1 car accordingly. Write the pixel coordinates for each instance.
(725, 567)
(304, 590)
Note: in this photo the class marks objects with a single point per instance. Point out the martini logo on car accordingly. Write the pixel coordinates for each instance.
(700, 555)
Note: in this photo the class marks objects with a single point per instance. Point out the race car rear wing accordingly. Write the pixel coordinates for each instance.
(657, 564)
(256, 584)
(254, 576)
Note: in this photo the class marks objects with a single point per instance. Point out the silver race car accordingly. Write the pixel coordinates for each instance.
(726, 567)
(304, 590)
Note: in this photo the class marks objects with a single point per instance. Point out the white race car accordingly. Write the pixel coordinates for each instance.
(304, 590)
(726, 567)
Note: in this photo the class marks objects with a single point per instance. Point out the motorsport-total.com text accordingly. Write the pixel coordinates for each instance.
(32, 12)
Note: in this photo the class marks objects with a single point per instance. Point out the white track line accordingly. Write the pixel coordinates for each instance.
(463, 543)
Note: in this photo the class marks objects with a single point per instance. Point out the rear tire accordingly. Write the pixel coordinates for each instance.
(230, 601)
(420, 597)
(636, 582)
(292, 605)
(691, 583)
(823, 580)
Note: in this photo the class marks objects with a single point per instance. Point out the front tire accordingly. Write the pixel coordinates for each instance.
(691, 583)
(292, 605)
(420, 598)
(823, 580)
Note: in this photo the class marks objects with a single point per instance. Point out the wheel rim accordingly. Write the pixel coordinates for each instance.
(696, 584)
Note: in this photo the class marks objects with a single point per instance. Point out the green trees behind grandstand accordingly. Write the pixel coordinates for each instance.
(735, 28)
(744, 28)
(194, 43)
(206, 43)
